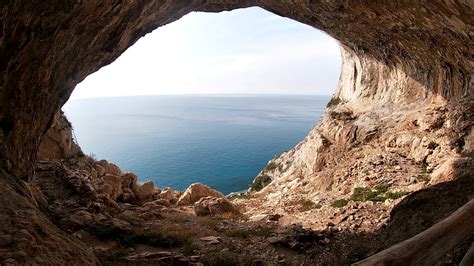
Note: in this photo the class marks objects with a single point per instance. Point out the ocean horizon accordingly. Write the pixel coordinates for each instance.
(174, 140)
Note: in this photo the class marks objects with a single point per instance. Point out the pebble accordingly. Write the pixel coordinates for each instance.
(273, 239)
(211, 239)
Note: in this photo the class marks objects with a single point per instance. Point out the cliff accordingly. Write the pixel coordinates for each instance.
(400, 121)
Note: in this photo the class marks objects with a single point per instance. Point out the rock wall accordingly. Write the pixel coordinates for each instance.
(59, 142)
(419, 47)
(408, 68)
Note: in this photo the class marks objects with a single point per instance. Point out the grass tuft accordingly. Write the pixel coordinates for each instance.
(270, 166)
(264, 231)
(380, 194)
(305, 205)
(260, 182)
(210, 223)
(189, 249)
(238, 233)
(239, 196)
(422, 178)
(339, 203)
(395, 195)
(382, 188)
(333, 102)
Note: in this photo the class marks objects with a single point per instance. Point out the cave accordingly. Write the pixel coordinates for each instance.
(402, 62)
(208, 54)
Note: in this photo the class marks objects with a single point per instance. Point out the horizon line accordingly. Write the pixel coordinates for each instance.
(202, 94)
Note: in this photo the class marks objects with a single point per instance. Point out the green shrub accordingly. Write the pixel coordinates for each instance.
(237, 233)
(260, 182)
(333, 102)
(425, 169)
(189, 249)
(239, 196)
(422, 178)
(364, 194)
(382, 188)
(305, 205)
(209, 222)
(264, 231)
(339, 203)
(271, 166)
(395, 195)
(380, 194)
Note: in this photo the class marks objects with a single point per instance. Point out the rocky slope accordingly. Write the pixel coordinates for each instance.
(350, 149)
(114, 219)
(401, 121)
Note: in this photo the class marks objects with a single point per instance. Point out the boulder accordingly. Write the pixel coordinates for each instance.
(129, 180)
(211, 239)
(127, 195)
(153, 206)
(110, 168)
(58, 142)
(169, 195)
(197, 191)
(213, 205)
(100, 170)
(112, 186)
(162, 202)
(145, 191)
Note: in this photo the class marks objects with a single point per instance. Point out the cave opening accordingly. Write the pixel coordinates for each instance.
(406, 90)
(209, 98)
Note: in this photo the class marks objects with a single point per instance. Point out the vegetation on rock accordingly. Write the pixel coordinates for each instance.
(239, 196)
(271, 166)
(305, 205)
(380, 194)
(339, 203)
(333, 102)
(238, 233)
(260, 182)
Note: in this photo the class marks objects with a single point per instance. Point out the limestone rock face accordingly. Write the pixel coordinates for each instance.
(58, 142)
(145, 191)
(169, 195)
(213, 205)
(197, 191)
(112, 186)
(406, 87)
(393, 52)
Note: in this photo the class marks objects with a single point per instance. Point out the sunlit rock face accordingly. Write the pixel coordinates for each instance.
(406, 85)
(58, 142)
(396, 52)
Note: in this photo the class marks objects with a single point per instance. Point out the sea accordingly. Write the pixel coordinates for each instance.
(223, 141)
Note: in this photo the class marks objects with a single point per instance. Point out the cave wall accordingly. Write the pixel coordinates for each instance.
(59, 142)
(413, 48)
(395, 53)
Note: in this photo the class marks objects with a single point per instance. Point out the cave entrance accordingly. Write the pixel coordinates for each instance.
(209, 98)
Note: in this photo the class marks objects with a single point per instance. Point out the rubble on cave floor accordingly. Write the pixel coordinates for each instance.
(123, 221)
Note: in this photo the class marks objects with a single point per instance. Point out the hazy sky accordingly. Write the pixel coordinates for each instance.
(242, 51)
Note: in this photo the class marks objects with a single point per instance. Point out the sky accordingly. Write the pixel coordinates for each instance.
(244, 51)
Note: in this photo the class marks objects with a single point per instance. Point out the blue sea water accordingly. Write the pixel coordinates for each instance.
(222, 141)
